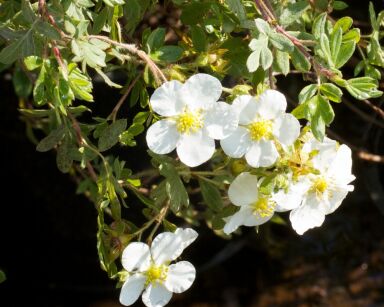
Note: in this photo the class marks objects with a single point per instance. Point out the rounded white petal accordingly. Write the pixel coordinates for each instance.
(201, 91)
(326, 152)
(195, 148)
(307, 216)
(136, 256)
(243, 190)
(286, 128)
(166, 100)
(341, 167)
(246, 108)
(237, 144)
(262, 154)
(162, 137)
(166, 246)
(293, 197)
(132, 289)
(180, 277)
(271, 103)
(156, 295)
(336, 197)
(255, 220)
(187, 236)
(233, 222)
(220, 120)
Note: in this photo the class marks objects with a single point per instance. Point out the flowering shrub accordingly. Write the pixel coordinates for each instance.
(207, 89)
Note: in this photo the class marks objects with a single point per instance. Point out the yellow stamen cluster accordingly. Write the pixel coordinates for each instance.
(156, 274)
(264, 207)
(319, 186)
(189, 122)
(260, 129)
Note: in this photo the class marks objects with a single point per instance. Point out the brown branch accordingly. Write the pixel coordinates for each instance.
(131, 48)
(378, 111)
(122, 99)
(362, 114)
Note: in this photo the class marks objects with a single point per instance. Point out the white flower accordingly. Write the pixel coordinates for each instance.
(255, 208)
(150, 270)
(327, 189)
(262, 123)
(193, 119)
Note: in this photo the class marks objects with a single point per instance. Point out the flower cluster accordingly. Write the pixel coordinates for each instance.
(149, 269)
(288, 169)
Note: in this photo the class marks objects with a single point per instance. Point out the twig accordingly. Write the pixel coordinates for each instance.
(378, 111)
(362, 114)
(122, 99)
(131, 48)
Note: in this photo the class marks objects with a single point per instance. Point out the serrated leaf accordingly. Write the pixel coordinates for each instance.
(211, 195)
(110, 136)
(51, 140)
(331, 91)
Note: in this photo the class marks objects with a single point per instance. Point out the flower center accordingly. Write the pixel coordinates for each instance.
(156, 273)
(319, 185)
(189, 122)
(263, 207)
(260, 129)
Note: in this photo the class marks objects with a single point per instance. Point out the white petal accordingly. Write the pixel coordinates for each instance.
(337, 196)
(195, 148)
(166, 100)
(136, 256)
(180, 277)
(327, 151)
(244, 189)
(286, 129)
(237, 144)
(132, 289)
(162, 137)
(156, 295)
(262, 154)
(233, 222)
(341, 167)
(271, 103)
(294, 196)
(255, 220)
(201, 91)
(307, 216)
(220, 120)
(246, 107)
(166, 246)
(187, 236)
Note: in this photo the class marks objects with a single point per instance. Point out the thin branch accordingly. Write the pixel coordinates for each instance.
(362, 114)
(378, 111)
(131, 48)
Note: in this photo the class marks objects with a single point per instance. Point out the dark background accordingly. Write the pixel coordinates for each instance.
(48, 243)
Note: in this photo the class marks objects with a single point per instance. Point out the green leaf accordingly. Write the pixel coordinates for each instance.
(266, 58)
(299, 61)
(322, 115)
(51, 140)
(343, 23)
(21, 83)
(339, 5)
(2, 277)
(318, 26)
(107, 79)
(194, 13)
(199, 39)
(21, 48)
(325, 48)
(156, 39)
(331, 91)
(363, 88)
(346, 51)
(281, 42)
(47, 30)
(352, 35)
(237, 7)
(27, 11)
(32, 62)
(110, 136)
(336, 39)
(211, 195)
(293, 12)
(168, 53)
(282, 62)
(253, 60)
(307, 93)
(63, 157)
(263, 26)
(80, 84)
